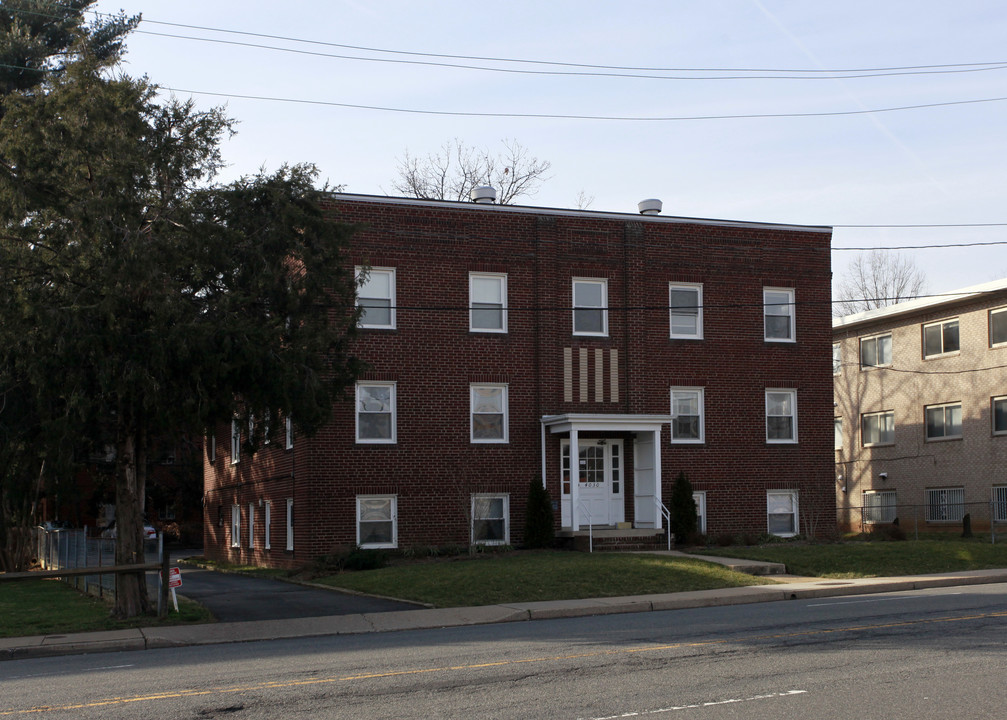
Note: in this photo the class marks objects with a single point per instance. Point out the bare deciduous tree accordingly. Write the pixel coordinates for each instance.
(876, 279)
(452, 172)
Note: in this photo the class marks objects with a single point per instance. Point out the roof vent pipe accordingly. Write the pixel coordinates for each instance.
(483, 194)
(650, 207)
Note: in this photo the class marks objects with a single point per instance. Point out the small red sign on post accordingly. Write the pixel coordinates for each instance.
(174, 577)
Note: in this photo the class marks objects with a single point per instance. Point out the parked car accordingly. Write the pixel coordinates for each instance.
(149, 531)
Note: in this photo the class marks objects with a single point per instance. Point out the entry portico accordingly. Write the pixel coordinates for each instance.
(592, 486)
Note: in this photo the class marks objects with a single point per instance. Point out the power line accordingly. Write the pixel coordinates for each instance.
(925, 247)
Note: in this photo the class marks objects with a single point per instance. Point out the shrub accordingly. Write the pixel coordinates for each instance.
(683, 510)
(538, 525)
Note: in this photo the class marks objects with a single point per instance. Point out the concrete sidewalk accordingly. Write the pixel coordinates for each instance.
(789, 588)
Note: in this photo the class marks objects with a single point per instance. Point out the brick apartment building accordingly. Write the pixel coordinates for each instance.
(498, 337)
(921, 411)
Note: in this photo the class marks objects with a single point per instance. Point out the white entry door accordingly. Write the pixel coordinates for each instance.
(599, 478)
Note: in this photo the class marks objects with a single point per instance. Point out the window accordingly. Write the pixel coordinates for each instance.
(838, 422)
(590, 307)
(781, 512)
(289, 434)
(375, 412)
(940, 338)
(235, 526)
(687, 415)
(490, 519)
(376, 297)
(251, 526)
(998, 327)
(686, 303)
(999, 413)
(879, 506)
(376, 521)
(944, 421)
(876, 351)
(290, 525)
(945, 504)
(877, 428)
(781, 416)
(778, 306)
(837, 358)
(235, 442)
(268, 524)
(487, 303)
(699, 497)
(213, 448)
(1000, 503)
(489, 413)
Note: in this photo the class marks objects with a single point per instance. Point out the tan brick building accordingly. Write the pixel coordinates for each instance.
(921, 412)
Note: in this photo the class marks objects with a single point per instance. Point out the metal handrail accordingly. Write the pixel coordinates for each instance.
(590, 526)
(666, 514)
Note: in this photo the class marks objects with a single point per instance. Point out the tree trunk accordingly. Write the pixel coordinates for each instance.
(131, 589)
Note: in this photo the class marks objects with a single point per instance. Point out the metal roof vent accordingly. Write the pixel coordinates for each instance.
(650, 207)
(483, 194)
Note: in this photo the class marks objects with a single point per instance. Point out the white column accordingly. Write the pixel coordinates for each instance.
(574, 479)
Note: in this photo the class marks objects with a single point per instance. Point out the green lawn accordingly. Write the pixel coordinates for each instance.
(539, 575)
(45, 607)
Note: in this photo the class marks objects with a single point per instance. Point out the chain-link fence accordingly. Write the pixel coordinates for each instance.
(942, 514)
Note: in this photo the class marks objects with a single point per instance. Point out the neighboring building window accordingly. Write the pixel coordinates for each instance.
(837, 358)
(687, 415)
(213, 448)
(699, 497)
(999, 413)
(235, 526)
(1000, 503)
(375, 412)
(590, 307)
(235, 442)
(945, 504)
(944, 421)
(376, 521)
(487, 303)
(490, 519)
(686, 304)
(838, 422)
(376, 297)
(998, 327)
(781, 416)
(251, 526)
(876, 351)
(940, 338)
(778, 306)
(290, 525)
(879, 506)
(289, 434)
(488, 413)
(781, 513)
(268, 524)
(877, 428)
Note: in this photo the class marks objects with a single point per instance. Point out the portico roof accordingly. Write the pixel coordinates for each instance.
(600, 421)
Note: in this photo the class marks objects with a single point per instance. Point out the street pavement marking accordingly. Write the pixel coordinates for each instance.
(711, 703)
(192, 692)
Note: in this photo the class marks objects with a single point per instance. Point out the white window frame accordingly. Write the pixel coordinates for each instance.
(505, 497)
(999, 501)
(837, 358)
(792, 393)
(371, 273)
(504, 402)
(393, 411)
(879, 415)
(699, 394)
(945, 505)
(1001, 317)
(267, 525)
(880, 506)
(290, 525)
(235, 441)
(687, 287)
(699, 497)
(251, 526)
(393, 519)
(837, 423)
(235, 526)
(288, 442)
(501, 281)
(876, 340)
(994, 401)
(772, 309)
(603, 284)
(941, 325)
(942, 410)
(794, 512)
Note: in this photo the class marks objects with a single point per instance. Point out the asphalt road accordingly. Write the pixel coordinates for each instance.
(927, 653)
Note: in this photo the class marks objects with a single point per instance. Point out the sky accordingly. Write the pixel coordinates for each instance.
(735, 117)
